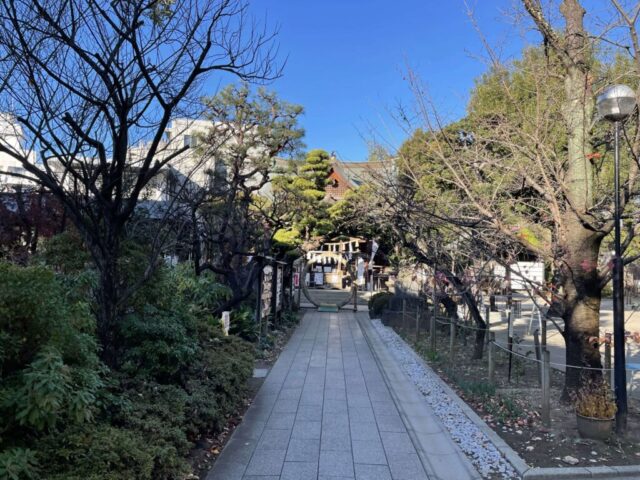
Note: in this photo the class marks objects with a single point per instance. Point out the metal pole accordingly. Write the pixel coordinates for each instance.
(618, 301)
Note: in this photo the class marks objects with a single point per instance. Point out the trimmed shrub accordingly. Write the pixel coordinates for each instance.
(378, 302)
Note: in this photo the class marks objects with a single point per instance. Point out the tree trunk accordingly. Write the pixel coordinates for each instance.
(580, 303)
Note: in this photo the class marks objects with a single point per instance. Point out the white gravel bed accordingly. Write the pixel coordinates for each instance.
(474, 443)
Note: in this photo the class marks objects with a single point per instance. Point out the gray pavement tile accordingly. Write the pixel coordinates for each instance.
(395, 442)
(334, 406)
(372, 472)
(335, 442)
(303, 450)
(266, 462)
(386, 407)
(261, 477)
(290, 393)
(274, 439)
(326, 477)
(335, 394)
(306, 429)
(364, 430)
(337, 418)
(250, 429)
(406, 466)
(312, 398)
(390, 423)
(281, 420)
(361, 414)
(288, 405)
(310, 413)
(369, 452)
(300, 471)
(336, 464)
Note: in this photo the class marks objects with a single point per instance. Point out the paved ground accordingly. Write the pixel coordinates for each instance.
(326, 412)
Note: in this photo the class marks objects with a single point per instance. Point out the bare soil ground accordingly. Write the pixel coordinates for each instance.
(512, 406)
(208, 449)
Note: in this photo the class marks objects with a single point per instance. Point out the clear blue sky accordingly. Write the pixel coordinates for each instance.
(347, 61)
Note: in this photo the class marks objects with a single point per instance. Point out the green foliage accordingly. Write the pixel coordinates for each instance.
(66, 416)
(243, 324)
(18, 464)
(48, 363)
(305, 191)
(101, 452)
(378, 302)
(157, 343)
(202, 293)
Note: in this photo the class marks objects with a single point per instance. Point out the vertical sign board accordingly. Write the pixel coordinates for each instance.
(226, 322)
(279, 288)
(267, 291)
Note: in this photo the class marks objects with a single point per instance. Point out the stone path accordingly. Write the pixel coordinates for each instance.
(326, 412)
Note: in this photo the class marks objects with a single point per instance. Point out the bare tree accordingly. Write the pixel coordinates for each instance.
(87, 79)
(524, 171)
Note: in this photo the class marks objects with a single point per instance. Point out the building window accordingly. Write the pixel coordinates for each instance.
(190, 141)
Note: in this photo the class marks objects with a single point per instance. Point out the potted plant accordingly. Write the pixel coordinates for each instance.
(595, 410)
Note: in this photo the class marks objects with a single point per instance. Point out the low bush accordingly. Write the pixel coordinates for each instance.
(65, 416)
(378, 302)
(243, 324)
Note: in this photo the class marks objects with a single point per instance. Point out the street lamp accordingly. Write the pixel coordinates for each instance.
(615, 104)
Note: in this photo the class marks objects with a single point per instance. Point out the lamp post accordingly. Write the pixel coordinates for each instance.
(615, 104)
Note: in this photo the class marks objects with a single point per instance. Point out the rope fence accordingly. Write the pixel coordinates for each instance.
(409, 321)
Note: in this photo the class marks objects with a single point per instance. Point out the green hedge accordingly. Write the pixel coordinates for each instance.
(65, 415)
(378, 302)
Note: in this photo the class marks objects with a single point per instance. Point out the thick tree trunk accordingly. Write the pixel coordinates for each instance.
(580, 303)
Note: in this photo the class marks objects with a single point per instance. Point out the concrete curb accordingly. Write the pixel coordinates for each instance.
(630, 472)
(424, 428)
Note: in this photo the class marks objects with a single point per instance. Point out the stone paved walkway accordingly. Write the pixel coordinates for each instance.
(324, 412)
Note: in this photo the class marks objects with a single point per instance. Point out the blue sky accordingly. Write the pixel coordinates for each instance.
(347, 61)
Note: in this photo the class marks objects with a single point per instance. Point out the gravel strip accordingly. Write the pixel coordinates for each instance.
(473, 442)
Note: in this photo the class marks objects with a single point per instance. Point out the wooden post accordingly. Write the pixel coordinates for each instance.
(433, 329)
(607, 359)
(452, 338)
(509, 343)
(490, 356)
(354, 288)
(546, 388)
(536, 342)
(417, 323)
(404, 314)
(487, 319)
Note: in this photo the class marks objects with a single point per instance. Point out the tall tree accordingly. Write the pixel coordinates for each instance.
(87, 79)
(306, 184)
(234, 217)
(530, 176)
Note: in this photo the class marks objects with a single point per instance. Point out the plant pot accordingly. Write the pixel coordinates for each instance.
(595, 428)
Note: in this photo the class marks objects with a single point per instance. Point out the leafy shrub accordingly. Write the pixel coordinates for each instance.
(290, 318)
(99, 452)
(18, 464)
(157, 343)
(243, 324)
(202, 293)
(49, 369)
(219, 382)
(378, 302)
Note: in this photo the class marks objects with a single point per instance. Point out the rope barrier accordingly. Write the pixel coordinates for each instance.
(553, 364)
